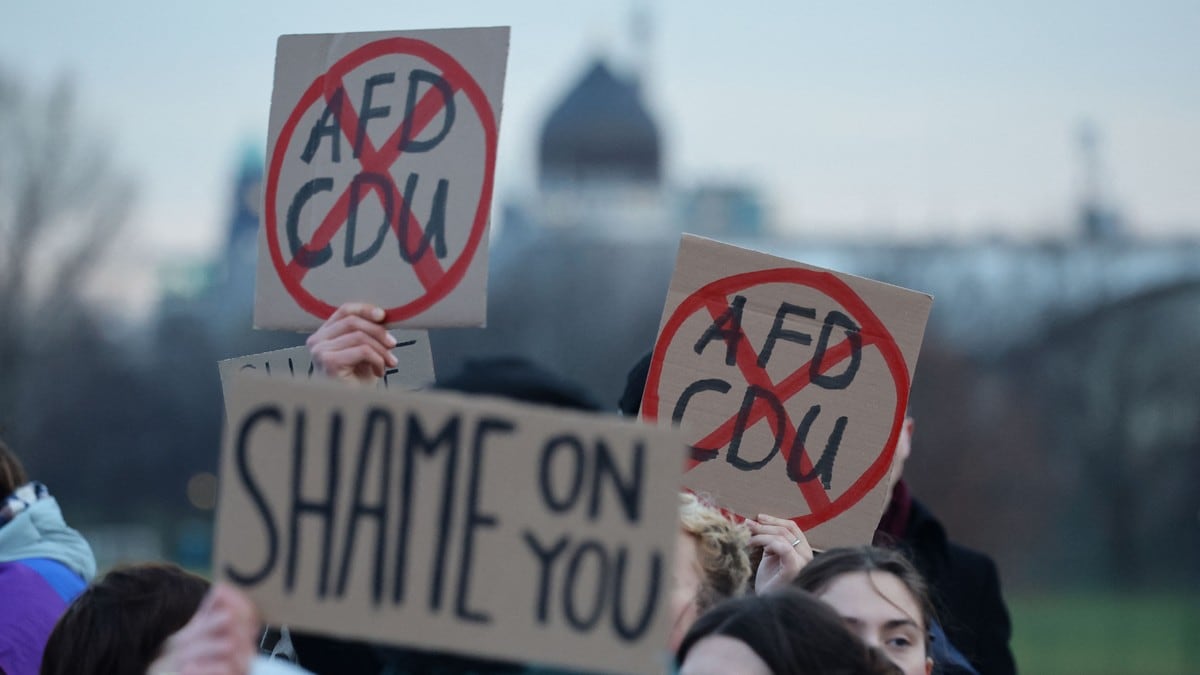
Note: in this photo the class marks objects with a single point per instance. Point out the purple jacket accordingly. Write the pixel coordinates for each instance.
(43, 565)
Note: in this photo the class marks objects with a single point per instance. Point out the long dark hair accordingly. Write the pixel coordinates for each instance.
(792, 632)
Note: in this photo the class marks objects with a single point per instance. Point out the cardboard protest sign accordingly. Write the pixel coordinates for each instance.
(790, 383)
(413, 370)
(443, 522)
(380, 163)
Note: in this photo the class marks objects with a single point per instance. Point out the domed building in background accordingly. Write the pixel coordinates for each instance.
(1061, 364)
(600, 164)
(601, 132)
(601, 171)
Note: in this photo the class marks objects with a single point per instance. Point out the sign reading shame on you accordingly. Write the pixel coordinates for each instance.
(381, 157)
(451, 523)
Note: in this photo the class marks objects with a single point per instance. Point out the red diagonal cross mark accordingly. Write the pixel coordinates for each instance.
(712, 299)
(426, 267)
(435, 279)
(747, 361)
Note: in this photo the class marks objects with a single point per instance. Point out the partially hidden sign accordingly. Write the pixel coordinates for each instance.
(444, 522)
(790, 382)
(413, 370)
(381, 157)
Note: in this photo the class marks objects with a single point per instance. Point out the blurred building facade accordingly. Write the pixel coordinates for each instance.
(1055, 379)
(1056, 409)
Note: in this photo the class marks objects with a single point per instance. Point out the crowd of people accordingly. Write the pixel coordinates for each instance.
(747, 598)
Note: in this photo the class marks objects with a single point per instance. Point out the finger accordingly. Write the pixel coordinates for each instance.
(791, 531)
(368, 371)
(196, 629)
(786, 523)
(348, 350)
(780, 565)
(364, 309)
(803, 547)
(349, 316)
(210, 599)
(229, 646)
(778, 531)
(773, 545)
(799, 544)
(351, 324)
(361, 325)
(360, 361)
(240, 606)
(357, 337)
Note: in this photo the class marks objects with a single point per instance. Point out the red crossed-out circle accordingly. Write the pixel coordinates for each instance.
(436, 281)
(873, 332)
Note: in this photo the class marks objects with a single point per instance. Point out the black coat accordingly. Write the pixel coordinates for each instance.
(965, 588)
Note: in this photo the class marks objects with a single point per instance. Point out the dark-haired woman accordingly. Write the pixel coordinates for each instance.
(881, 597)
(786, 632)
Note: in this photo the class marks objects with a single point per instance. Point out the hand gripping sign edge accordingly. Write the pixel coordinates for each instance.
(836, 289)
(460, 80)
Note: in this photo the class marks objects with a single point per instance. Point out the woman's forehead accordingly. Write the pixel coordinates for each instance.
(872, 596)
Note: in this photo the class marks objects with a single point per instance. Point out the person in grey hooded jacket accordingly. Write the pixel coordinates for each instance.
(44, 564)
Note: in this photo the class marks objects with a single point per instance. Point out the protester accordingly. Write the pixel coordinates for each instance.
(119, 623)
(157, 619)
(353, 346)
(43, 565)
(711, 561)
(881, 597)
(710, 564)
(964, 583)
(220, 639)
(786, 632)
(519, 379)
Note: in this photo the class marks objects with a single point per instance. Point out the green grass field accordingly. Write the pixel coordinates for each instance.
(1106, 634)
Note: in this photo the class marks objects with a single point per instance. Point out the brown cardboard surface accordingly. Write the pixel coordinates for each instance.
(413, 370)
(438, 521)
(374, 138)
(693, 383)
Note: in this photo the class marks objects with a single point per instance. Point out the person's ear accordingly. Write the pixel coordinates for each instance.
(904, 446)
(928, 665)
(901, 453)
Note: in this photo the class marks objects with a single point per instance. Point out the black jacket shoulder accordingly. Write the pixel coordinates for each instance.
(965, 587)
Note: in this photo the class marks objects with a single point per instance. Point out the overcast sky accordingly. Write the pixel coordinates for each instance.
(867, 118)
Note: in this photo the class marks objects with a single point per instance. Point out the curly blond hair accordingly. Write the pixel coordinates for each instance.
(720, 549)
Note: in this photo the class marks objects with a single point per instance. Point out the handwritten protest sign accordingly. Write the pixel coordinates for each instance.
(790, 382)
(444, 522)
(380, 164)
(413, 370)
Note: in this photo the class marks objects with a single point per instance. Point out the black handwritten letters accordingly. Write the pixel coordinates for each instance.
(340, 118)
(385, 444)
(296, 362)
(762, 402)
(588, 578)
(465, 514)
